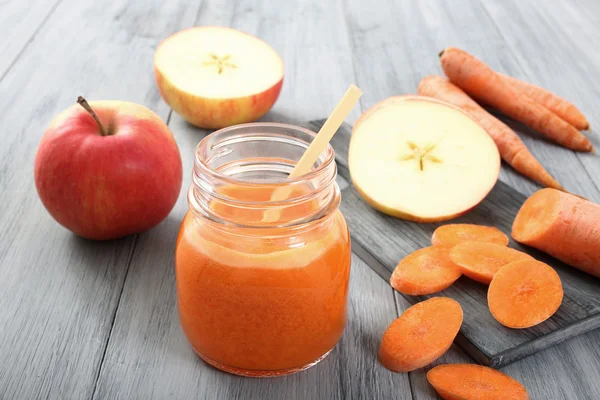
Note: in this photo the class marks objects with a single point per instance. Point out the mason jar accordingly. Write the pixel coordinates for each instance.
(262, 261)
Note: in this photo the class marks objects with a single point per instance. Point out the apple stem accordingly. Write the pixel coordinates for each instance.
(83, 103)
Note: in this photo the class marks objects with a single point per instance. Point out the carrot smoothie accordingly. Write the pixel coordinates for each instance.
(250, 305)
(263, 299)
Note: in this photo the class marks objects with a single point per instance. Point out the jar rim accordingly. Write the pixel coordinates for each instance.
(218, 153)
(204, 143)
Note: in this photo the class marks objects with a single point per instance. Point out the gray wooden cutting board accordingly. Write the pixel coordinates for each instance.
(382, 241)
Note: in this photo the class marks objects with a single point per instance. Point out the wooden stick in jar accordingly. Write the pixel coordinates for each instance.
(316, 147)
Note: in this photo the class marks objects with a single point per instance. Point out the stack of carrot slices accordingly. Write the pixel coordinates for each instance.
(522, 292)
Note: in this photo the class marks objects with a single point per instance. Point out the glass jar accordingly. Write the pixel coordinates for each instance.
(262, 283)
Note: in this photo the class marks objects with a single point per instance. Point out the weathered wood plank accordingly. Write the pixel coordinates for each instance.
(390, 239)
(19, 22)
(159, 363)
(148, 356)
(59, 293)
(394, 53)
(47, 351)
(311, 38)
(544, 374)
(556, 56)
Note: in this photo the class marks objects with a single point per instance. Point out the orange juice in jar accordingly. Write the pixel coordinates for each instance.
(262, 283)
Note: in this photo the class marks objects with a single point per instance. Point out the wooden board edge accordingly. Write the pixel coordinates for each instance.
(461, 341)
(544, 342)
(372, 262)
(499, 360)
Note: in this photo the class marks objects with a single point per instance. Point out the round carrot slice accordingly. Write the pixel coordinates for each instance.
(453, 234)
(480, 261)
(422, 334)
(524, 293)
(425, 271)
(474, 382)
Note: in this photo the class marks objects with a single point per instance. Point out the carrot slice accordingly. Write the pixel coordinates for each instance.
(474, 382)
(453, 234)
(425, 271)
(524, 293)
(422, 334)
(480, 261)
(563, 225)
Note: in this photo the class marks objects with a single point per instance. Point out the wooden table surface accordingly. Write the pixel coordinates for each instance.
(90, 320)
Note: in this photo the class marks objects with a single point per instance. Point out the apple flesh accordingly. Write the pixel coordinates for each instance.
(421, 159)
(216, 77)
(112, 178)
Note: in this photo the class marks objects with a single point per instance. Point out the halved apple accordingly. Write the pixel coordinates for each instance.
(216, 77)
(421, 159)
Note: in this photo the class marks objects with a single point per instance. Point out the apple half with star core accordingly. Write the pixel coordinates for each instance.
(421, 159)
(216, 77)
(108, 169)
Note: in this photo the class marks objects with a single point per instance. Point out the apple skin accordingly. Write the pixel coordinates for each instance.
(216, 113)
(107, 187)
(409, 217)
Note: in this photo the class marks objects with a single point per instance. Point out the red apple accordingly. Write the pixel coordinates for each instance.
(216, 77)
(108, 169)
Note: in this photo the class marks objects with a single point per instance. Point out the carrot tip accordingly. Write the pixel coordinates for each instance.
(561, 188)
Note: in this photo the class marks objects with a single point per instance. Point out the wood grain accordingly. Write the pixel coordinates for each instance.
(392, 61)
(554, 58)
(544, 374)
(148, 356)
(563, 372)
(19, 23)
(59, 293)
(389, 239)
(391, 55)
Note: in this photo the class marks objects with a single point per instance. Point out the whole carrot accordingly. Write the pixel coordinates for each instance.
(511, 147)
(482, 83)
(559, 106)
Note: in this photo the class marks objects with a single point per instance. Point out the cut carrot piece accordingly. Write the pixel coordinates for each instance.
(480, 261)
(524, 293)
(422, 334)
(425, 271)
(474, 382)
(453, 234)
(563, 225)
